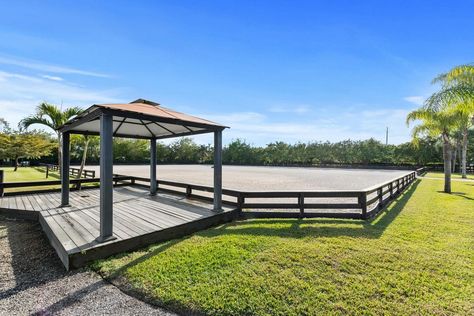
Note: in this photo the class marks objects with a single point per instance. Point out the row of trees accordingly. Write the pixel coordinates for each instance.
(238, 152)
(448, 115)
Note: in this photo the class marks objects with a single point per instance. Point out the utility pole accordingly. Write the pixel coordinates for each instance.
(386, 137)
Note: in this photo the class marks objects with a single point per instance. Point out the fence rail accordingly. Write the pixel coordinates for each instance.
(363, 204)
(72, 171)
(357, 204)
(76, 183)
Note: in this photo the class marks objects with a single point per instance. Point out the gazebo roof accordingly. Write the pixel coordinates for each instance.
(139, 119)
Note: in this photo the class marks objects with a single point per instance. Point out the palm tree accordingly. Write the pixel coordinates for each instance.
(439, 123)
(51, 116)
(458, 90)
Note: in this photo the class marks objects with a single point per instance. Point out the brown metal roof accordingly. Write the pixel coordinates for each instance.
(140, 119)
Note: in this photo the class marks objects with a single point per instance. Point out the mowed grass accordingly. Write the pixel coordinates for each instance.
(414, 259)
(28, 174)
(453, 176)
(25, 174)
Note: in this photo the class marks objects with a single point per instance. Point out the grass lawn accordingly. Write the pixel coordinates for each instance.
(414, 259)
(441, 175)
(27, 174)
(31, 174)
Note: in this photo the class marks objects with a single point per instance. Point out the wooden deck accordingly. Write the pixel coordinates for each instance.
(139, 220)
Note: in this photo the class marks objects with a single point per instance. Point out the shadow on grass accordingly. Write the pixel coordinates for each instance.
(52, 174)
(463, 195)
(314, 228)
(157, 249)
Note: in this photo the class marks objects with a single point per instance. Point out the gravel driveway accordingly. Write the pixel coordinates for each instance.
(33, 280)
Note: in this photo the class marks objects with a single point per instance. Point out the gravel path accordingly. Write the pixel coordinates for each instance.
(33, 280)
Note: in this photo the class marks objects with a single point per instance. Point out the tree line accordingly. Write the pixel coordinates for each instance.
(240, 152)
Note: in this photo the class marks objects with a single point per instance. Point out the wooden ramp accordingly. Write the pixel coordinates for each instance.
(139, 220)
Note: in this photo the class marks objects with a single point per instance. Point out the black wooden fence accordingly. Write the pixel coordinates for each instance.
(356, 204)
(53, 185)
(72, 171)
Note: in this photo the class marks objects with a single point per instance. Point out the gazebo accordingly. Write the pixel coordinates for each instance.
(139, 119)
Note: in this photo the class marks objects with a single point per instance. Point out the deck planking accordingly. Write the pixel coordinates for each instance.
(139, 220)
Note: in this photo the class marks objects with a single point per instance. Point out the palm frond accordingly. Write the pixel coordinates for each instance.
(70, 112)
(35, 119)
(462, 74)
(50, 115)
(450, 97)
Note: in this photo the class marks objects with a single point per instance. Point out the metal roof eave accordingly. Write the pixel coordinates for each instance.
(98, 111)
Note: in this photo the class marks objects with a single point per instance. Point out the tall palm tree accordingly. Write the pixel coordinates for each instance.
(458, 90)
(439, 123)
(51, 116)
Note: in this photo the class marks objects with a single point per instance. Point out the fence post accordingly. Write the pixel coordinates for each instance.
(1, 183)
(301, 203)
(398, 186)
(362, 199)
(380, 195)
(240, 201)
(47, 171)
(189, 191)
(390, 189)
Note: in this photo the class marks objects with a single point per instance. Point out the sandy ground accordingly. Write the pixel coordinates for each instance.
(247, 178)
(34, 282)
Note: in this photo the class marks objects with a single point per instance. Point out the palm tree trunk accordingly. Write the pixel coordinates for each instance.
(447, 163)
(84, 157)
(464, 154)
(454, 158)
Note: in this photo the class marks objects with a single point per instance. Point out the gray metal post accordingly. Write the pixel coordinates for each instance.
(153, 166)
(218, 171)
(106, 178)
(1, 183)
(65, 170)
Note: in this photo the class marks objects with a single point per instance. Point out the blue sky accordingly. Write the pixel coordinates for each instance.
(271, 70)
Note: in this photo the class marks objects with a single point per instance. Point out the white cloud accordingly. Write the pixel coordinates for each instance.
(298, 109)
(416, 99)
(30, 64)
(54, 78)
(259, 129)
(20, 94)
